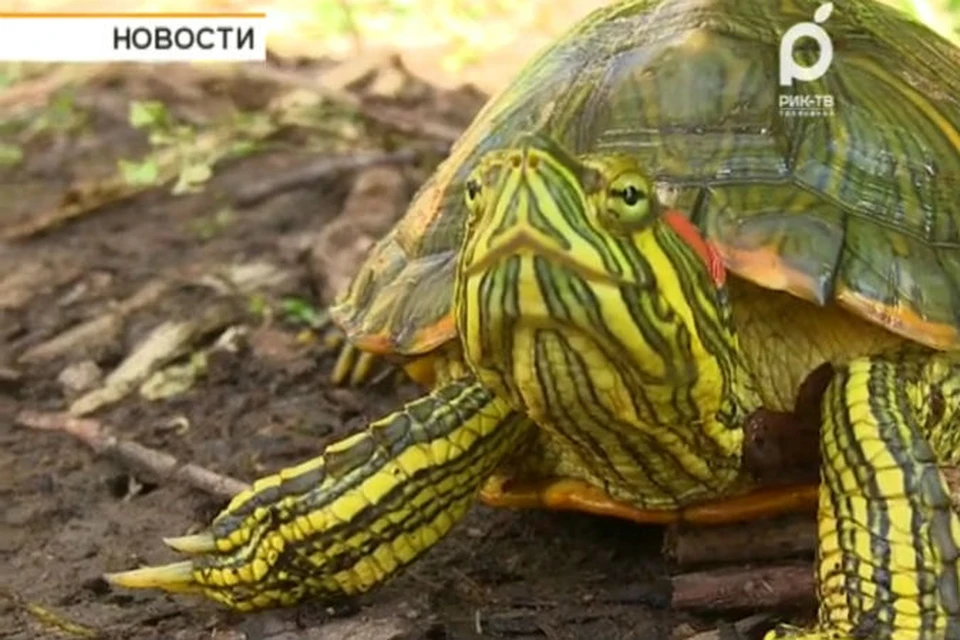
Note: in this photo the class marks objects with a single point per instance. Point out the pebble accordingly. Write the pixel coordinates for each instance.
(80, 377)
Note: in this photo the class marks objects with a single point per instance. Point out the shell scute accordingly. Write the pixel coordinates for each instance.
(857, 206)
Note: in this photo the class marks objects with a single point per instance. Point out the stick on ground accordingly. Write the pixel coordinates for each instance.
(751, 588)
(50, 619)
(744, 542)
(133, 455)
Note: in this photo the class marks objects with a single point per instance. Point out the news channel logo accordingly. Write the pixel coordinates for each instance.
(806, 105)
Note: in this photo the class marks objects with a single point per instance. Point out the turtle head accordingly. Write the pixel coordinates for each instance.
(537, 200)
(592, 219)
(570, 262)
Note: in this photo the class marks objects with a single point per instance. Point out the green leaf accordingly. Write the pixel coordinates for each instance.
(301, 311)
(244, 148)
(148, 114)
(258, 306)
(10, 155)
(191, 177)
(10, 72)
(139, 173)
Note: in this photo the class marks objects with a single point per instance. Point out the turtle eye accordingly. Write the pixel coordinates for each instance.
(472, 190)
(631, 195)
(628, 202)
(473, 195)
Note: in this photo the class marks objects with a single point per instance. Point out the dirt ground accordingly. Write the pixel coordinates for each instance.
(263, 400)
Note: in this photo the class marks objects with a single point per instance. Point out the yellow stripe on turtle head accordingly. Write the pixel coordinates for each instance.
(536, 198)
(572, 287)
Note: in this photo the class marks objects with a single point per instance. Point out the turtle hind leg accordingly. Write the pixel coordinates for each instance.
(889, 537)
(348, 520)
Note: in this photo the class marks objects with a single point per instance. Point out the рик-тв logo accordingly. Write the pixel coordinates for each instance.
(791, 70)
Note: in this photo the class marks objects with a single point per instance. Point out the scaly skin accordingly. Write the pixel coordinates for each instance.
(349, 519)
(587, 313)
(889, 540)
(603, 326)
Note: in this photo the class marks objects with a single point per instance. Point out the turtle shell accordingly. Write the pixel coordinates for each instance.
(844, 188)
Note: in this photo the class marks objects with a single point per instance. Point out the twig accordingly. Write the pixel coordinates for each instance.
(131, 454)
(745, 627)
(768, 539)
(742, 542)
(50, 619)
(767, 587)
(286, 181)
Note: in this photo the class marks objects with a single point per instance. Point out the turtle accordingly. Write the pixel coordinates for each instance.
(643, 241)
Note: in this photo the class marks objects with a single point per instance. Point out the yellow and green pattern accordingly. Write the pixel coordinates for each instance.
(586, 311)
(614, 273)
(346, 521)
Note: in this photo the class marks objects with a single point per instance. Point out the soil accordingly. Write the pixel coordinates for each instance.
(69, 515)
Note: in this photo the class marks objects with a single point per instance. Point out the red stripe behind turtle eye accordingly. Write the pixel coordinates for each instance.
(691, 235)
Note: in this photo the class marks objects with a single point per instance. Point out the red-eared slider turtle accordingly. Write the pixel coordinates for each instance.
(642, 242)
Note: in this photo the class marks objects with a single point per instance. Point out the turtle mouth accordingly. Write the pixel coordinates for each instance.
(528, 243)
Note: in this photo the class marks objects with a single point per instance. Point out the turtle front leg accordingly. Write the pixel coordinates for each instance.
(887, 562)
(345, 522)
(356, 367)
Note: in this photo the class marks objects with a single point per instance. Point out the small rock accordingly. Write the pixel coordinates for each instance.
(255, 277)
(410, 612)
(80, 377)
(394, 82)
(683, 631)
(388, 83)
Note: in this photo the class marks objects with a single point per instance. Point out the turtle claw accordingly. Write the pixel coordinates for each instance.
(193, 545)
(175, 578)
(354, 367)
